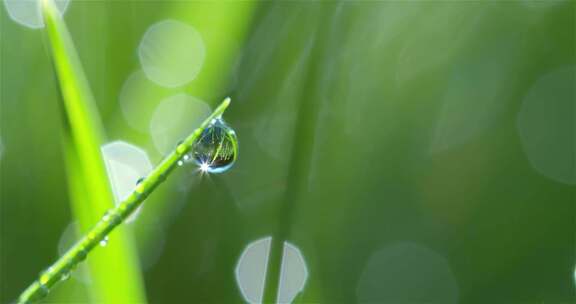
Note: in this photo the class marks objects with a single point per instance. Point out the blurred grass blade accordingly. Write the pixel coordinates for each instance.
(114, 270)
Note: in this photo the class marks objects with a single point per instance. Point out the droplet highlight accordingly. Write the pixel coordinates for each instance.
(104, 242)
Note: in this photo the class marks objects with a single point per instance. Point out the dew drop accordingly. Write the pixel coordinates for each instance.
(104, 242)
(139, 180)
(185, 160)
(65, 276)
(216, 149)
(106, 216)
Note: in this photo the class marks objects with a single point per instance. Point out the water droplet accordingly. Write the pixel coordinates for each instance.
(216, 149)
(139, 180)
(185, 158)
(106, 216)
(104, 241)
(65, 276)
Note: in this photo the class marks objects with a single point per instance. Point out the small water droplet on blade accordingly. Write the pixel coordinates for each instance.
(104, 242)
(65, 276)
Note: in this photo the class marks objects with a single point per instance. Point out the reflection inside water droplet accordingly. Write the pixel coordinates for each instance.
(216, 149)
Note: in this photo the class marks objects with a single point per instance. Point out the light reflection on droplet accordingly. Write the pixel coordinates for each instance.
(251, 270)
(175, 118)
(171, 53)
(407, 273)
(138, 98)
(103, 242)
(67, 240)
(27, 12)
(126, 165)
(293, 274)
(546, 124)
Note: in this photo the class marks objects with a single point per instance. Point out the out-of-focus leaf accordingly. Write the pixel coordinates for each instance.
(90, 191)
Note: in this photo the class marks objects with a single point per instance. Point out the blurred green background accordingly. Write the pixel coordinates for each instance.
(414, 151)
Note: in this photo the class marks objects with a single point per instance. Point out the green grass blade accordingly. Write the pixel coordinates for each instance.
(90, 191)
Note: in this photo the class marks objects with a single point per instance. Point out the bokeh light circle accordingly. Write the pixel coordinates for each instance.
(175, 118)
(546, 125)
(138, 99)
(126, 164)
(171, 53)
(27, 12)
(406, 272)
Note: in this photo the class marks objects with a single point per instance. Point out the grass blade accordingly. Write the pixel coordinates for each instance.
(90, 192)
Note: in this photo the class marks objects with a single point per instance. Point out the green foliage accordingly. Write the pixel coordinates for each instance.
(61, 269)
(363, 125)
(89, 188)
